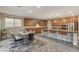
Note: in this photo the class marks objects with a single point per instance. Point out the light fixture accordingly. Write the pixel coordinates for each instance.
(38, 6)
(30, 11)
(37, 25)
(70, 12)
(64, 20)
(55, 21)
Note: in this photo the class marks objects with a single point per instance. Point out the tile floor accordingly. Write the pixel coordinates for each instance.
(51, 46)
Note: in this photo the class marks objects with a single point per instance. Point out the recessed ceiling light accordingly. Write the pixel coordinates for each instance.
(64, 20)
(38, 6)
(70, 12)
(55, 21)
(30, 11)
(57, 15)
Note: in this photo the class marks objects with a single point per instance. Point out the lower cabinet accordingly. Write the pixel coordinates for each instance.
(57, 35)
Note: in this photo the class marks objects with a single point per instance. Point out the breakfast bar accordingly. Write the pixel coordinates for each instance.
(66, 35)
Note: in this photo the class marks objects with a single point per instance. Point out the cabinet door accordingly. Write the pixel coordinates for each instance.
(26, 22)
(43, 23)
(32, 22)
(73, 19)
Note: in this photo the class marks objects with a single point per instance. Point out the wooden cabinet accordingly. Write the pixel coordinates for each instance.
(33, 22)
(43, 22)
(73, 19)
(63, 23)
(30, 24)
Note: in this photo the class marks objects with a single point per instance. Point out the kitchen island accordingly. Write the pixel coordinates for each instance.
(66, 35)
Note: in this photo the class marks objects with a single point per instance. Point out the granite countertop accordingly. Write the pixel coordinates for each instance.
(34, 27)
(60, 30)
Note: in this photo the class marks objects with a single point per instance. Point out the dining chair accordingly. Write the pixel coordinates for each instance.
(16, 38)
(31, 37)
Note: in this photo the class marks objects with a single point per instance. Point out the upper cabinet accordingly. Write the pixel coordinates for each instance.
(29, 22)
(33, 22)
(73, 19)
(43, 22)
(64, 21)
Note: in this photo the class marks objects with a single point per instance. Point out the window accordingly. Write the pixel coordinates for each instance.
(9, 22)
(18, 23)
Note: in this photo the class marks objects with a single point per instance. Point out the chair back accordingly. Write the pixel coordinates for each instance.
(30, 36)
(13, 36)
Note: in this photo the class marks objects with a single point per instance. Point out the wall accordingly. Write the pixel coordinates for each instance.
(1, 22)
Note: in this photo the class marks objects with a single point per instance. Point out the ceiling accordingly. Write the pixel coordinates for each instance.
(42, 12)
